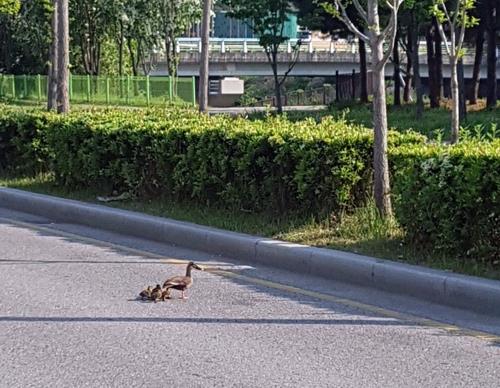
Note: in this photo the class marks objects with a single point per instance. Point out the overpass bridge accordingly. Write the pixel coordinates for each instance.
(316, 58)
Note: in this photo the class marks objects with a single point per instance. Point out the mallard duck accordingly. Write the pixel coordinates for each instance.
(182, 283)
(165, 294)
(146, 293)
(157, 293)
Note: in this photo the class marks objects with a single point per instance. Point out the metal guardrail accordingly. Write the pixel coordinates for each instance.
(315, 57)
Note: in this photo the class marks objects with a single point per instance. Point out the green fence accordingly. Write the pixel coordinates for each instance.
(129, 90)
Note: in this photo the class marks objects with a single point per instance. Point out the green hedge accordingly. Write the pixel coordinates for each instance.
(23, 144)
(254, 165)
(448, 198)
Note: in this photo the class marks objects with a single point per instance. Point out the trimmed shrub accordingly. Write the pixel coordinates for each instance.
(448, 198)
(23, 147)
(271, 164)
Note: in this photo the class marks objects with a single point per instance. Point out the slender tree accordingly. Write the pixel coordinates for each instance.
(313, 15)
(363, 71)
(397, 73)
(90, 22)
(409, 68)
(376, 37)
(53, 63)
(434, 63)
(205, 56)
(267, 19)
(457, 19)
(417, 80)
(492, 26)
(176, 17)
(479, 46)
(62, 56)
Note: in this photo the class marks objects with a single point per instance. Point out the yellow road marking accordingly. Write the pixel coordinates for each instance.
(452, 329)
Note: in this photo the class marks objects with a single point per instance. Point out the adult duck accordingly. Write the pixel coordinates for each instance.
(182, 283)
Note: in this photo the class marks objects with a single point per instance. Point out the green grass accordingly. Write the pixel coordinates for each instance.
(434, 123)
(362, 232)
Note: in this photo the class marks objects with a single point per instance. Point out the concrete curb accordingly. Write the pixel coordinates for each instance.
(475, 294)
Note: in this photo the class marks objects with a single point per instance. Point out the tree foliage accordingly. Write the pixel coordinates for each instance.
(25, 38)
(457, 18)
(176, 16)
(10, 7)
(267, 20)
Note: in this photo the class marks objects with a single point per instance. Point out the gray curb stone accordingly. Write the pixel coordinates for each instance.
(470, 293)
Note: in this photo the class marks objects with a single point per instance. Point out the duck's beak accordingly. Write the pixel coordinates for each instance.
(198, 267)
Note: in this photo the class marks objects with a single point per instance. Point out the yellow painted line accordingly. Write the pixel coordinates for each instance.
(451, 329)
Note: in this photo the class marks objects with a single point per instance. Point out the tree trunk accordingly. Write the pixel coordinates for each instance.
(416, 70)
(174, 64)
(204, 63)
(168, 52)
(363, 72)
(63, 57)
(491, 96)
(431, 64)
(397, 73)
(409, 69)
(381, 184)
(53, 63)
(133, 60)
(478, 58)
(438, 52)
(462, 112)
(120, 51)
(455, 111)
(277, 84)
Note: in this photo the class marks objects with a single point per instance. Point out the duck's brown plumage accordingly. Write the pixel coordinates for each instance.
(181, 283)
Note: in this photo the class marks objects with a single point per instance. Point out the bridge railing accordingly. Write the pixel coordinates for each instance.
(235, 49)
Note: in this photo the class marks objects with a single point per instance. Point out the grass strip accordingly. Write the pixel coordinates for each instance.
(362, 231)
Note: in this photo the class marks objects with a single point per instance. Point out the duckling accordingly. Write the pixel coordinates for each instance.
(146, 293)
(182, 283)
(157, 293)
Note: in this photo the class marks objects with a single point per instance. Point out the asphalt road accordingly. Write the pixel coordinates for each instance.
(68, 317)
